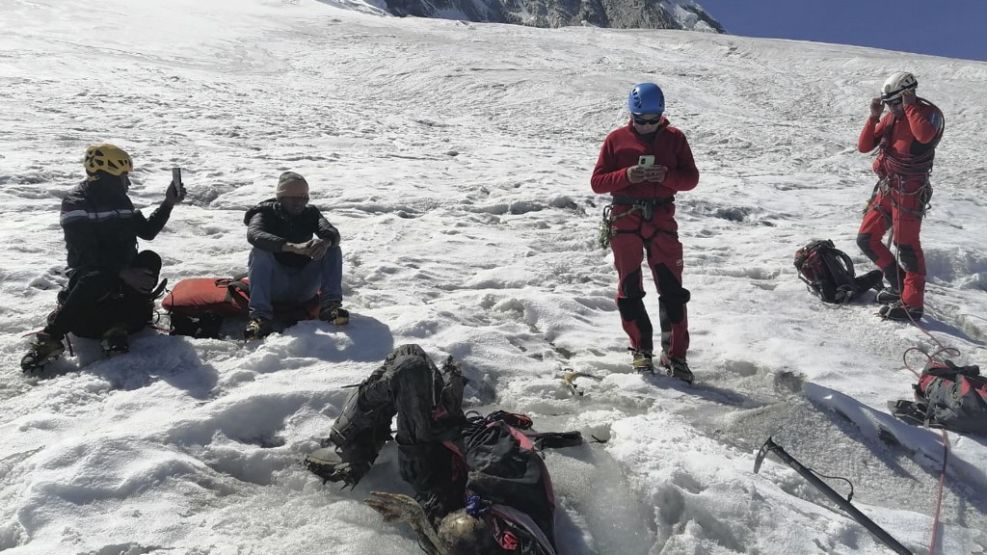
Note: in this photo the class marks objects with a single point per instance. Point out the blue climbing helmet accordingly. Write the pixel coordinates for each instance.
(646, 98)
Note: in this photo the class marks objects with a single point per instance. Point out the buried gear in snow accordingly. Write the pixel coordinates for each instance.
(829, 273)
(487, 465)
(947, 396)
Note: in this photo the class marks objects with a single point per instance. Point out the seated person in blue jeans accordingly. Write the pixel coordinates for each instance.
(289, 265)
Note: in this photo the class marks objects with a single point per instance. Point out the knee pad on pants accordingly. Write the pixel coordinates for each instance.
(673, 296)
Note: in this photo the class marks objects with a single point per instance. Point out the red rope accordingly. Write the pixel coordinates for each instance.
(942, 482)
(945, 437)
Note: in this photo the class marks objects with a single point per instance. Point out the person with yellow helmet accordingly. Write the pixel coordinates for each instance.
(111, 284)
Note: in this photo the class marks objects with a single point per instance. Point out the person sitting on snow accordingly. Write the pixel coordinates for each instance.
(480, 486)
(906, 140)
(111, 286)
(287, 264)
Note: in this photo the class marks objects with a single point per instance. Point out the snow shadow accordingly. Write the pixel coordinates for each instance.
(932, 324)
(922, 445)
(364, 339)
(704, 391)
(152, 357)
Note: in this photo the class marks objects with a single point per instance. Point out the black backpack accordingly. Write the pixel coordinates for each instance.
(829, 273)
(508, 474)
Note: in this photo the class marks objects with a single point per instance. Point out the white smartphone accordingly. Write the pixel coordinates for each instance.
(646, 160)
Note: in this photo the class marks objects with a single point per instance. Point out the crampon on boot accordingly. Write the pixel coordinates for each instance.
(115, 340)
(898, 312)
(44, 349)
(676, 367)
(327, 463)
(643, 361)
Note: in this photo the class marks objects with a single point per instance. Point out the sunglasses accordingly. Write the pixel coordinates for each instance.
(642, 121)
(893, 102)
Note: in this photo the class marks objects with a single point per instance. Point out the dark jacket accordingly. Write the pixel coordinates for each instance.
(269, 227)
(101, 226)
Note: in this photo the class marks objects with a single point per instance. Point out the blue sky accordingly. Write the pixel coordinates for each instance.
(951, 28)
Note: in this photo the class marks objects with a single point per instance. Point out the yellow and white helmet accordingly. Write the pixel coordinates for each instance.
(107, 158)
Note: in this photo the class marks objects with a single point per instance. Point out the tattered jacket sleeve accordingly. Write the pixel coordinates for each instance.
(258, 237)
(148, 228)
(606, 177)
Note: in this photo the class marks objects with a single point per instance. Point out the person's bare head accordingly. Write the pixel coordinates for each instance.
(463, 534)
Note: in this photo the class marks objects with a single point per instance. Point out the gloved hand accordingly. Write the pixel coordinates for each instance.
(876, 107)
(174, 195)
(141, 280)
(635, 174)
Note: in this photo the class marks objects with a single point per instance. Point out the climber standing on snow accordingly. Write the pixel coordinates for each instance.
(905, 139)
(642, 166)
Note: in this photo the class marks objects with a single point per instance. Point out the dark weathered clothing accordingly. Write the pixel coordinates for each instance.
(433, 456)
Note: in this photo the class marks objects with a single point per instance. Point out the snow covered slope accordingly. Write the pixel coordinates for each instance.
(455, 158)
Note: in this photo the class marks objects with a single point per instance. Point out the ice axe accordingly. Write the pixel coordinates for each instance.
(833, 495)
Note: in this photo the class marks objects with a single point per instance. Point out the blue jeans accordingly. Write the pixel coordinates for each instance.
(271, 281)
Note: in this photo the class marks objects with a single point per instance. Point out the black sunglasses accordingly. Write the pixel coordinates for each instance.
(894, 102)
(642, 121)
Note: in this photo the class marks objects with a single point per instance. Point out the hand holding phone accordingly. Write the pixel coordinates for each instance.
(636, 174)
(176, 191)
(655, 174)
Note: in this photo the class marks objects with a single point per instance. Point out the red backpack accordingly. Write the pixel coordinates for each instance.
(829, 273)
(198, 306)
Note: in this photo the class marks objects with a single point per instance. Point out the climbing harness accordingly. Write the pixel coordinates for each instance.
(646, 207)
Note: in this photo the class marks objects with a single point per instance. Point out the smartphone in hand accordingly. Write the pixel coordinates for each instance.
(646, 160)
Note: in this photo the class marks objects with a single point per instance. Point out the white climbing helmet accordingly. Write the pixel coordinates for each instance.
(896, 84)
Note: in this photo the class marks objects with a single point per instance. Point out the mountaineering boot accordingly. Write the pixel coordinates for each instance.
(676, 367)
(332, 465)
(887, 296)
(44, 349)
(115, 340)
(898, 312)
(258, 328)
(334, 313)
(642, 361)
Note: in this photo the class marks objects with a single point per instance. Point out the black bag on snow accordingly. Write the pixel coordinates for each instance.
(948, 396)
(123, 305)
(507, 473)
(829, 273)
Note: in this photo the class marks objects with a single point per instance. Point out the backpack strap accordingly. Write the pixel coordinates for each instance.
(238, 290)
